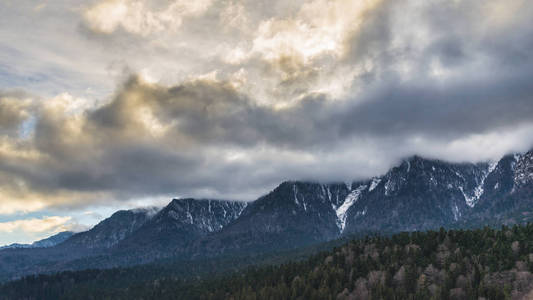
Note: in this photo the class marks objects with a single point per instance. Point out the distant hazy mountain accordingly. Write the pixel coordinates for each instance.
(418, 194)
(47, 242)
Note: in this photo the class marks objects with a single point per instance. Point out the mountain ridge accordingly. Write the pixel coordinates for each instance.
(417, 194)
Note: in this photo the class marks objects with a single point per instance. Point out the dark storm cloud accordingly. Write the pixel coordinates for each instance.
(468, 107)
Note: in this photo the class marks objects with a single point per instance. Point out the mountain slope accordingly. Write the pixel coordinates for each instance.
(292, 215)
(179, 224)
(83, 245)
(417, 195)
(111, 230)
(53, 240)
(508, 196)
(423, 194)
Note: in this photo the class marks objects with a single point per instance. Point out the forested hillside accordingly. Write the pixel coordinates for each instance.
(457, 264)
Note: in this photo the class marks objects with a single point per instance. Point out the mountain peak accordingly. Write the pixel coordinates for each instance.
(110, 231)
(181, 222)
(206, 215)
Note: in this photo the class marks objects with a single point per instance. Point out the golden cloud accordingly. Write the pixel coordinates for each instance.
(55, 224)
(139, 17)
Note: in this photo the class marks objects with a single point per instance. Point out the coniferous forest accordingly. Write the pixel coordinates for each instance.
(485, 263)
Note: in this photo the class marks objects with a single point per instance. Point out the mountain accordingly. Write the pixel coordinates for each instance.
(80, 247)
(416, 195)
(111, 230)
(292, 215)
(419, 194)
(180, 223)
(53, 240)
(16, 246)
(508, 192)
(127, 237)
(422, 194)
(44, 243)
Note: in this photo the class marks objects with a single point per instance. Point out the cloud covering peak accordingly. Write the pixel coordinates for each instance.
(229, 98)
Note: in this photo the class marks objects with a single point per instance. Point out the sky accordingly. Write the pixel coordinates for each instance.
(116, 104)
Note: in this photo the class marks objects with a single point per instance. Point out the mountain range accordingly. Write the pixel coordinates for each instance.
(418, 194)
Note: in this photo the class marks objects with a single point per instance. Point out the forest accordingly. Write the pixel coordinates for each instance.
(485, 263)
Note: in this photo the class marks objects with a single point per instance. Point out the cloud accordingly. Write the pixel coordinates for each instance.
(14, 110)
(141, 17)
(30, 230)
(227, 99)
(36, 225)
(155, 140)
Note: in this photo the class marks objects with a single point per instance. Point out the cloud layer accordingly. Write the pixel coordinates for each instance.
(228, 98)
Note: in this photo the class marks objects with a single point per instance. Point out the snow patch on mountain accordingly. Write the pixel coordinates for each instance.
(295, 192)
(297, 202)
(374, 184)
(456, 213)
(479, 189)
(329, 193)
(350, 200)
